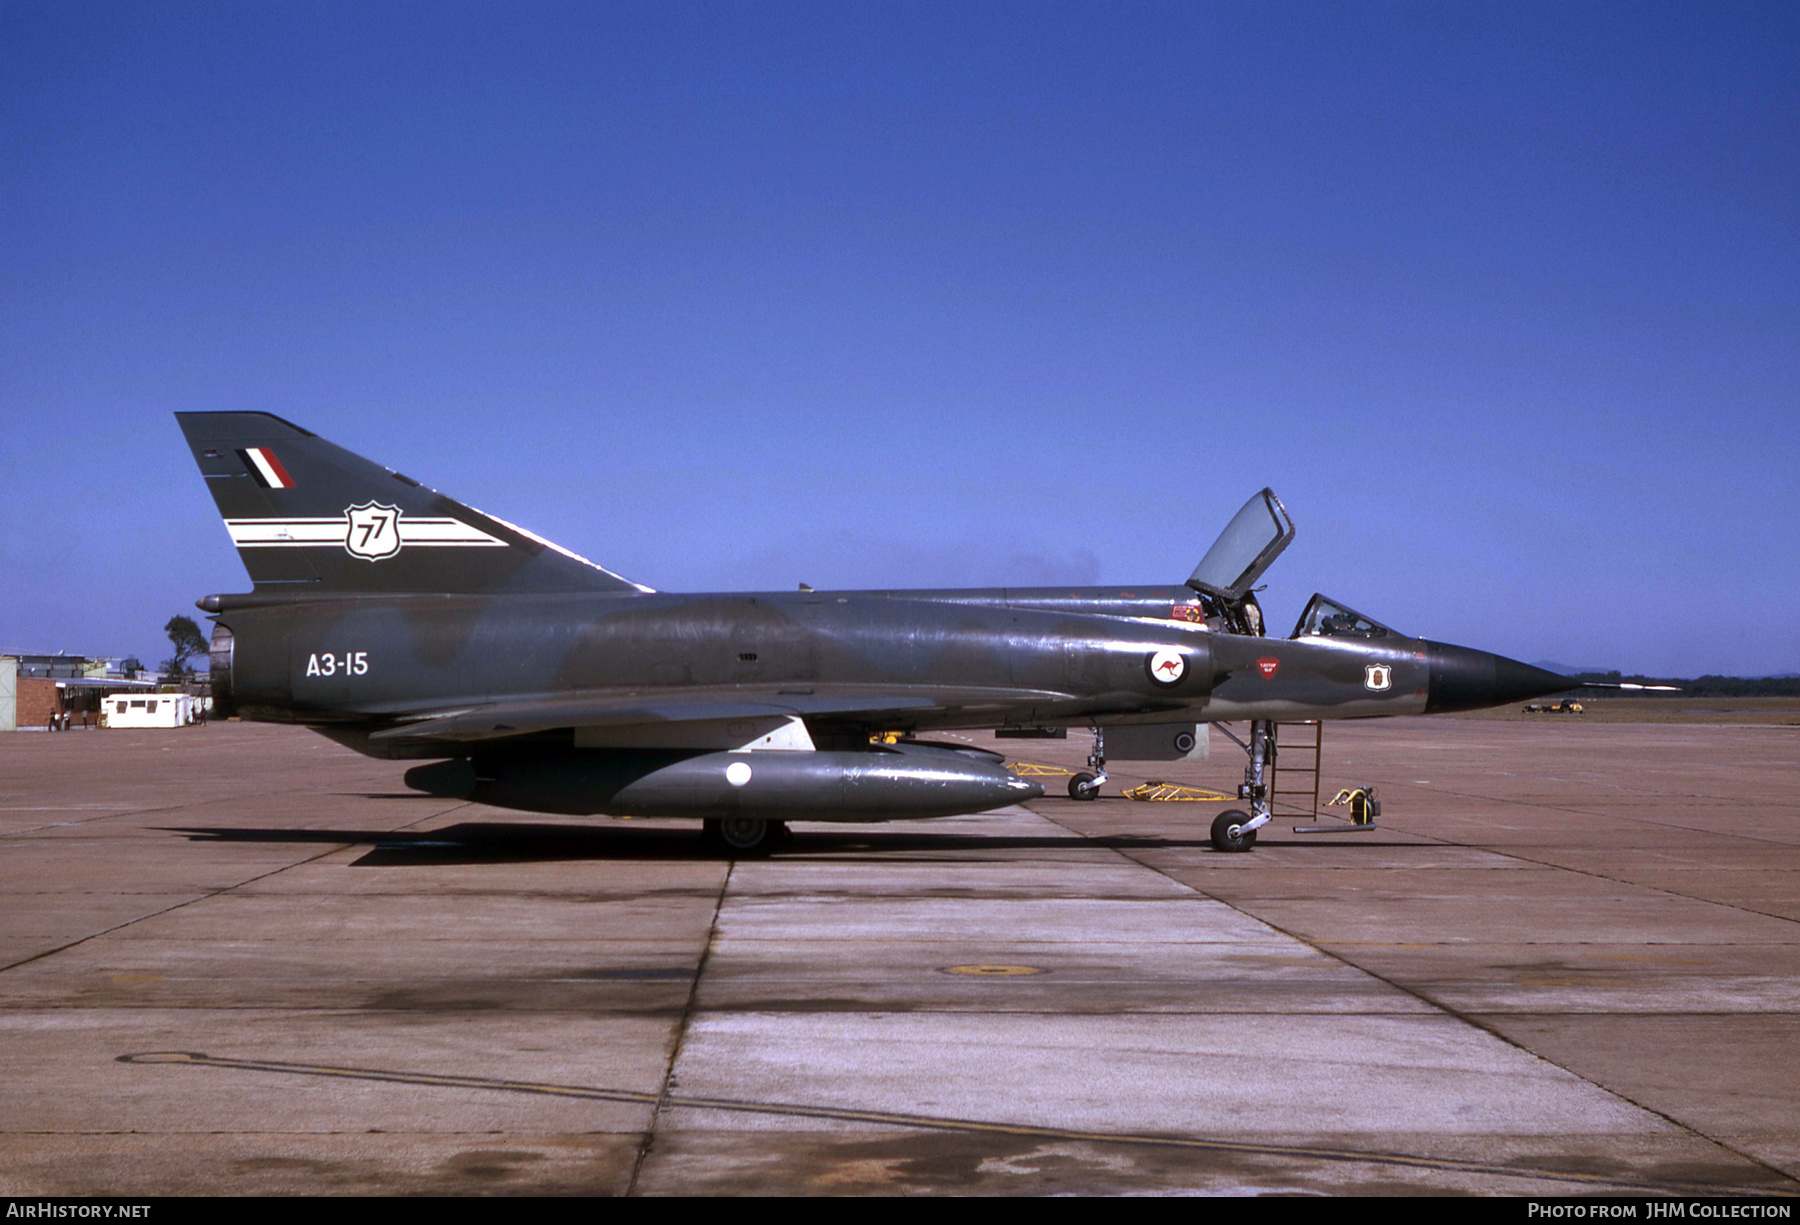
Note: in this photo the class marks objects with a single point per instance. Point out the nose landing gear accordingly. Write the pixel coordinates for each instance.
(1234, 830)
(1086, 784)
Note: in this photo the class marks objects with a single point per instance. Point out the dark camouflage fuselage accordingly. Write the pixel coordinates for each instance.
(990, 658)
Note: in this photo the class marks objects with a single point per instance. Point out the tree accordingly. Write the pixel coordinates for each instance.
(188, 642)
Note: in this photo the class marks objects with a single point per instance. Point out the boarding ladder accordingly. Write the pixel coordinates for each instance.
(1298, 758)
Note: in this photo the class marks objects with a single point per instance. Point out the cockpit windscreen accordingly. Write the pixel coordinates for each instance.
(1326, 618)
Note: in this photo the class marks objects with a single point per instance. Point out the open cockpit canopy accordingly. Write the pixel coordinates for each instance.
(1249, 544)
(1326, 618)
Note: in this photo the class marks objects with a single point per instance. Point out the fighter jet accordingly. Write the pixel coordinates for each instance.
(409, 626)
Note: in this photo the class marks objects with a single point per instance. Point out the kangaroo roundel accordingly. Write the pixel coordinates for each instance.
(1167, 667)
(373, 530)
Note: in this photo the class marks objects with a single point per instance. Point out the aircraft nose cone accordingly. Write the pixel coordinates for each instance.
(1466, 679)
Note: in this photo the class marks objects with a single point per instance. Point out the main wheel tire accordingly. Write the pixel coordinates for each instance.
(743, 837)
(1084, 786)
(1228, 833)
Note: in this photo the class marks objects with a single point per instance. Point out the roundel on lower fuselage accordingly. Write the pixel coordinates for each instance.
(1167, 667)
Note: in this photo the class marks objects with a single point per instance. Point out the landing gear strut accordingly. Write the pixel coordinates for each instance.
(1086, 784)
(1233, 829)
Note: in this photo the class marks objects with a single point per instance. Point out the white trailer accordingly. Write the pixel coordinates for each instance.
(147, 710)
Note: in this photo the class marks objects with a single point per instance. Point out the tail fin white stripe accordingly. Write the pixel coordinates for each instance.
(332, 533)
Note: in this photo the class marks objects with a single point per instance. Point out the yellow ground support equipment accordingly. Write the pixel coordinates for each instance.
(1031, 769)
(1364, 808)
(1157, 791)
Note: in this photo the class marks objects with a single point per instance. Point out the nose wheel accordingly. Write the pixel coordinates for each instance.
(1086, 783)
(1228, 833)
(1235, 830)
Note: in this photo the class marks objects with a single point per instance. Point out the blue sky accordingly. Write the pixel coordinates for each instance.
(1502, 300)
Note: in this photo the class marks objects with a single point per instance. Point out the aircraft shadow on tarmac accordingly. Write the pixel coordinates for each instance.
(540, 842)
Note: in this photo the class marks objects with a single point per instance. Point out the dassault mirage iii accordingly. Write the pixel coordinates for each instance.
(406, 625)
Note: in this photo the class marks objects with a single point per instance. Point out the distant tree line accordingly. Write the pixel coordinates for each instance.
(1705, 686)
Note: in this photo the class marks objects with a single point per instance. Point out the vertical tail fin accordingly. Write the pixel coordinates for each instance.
(306, 515)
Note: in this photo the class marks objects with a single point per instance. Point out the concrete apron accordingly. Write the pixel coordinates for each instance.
(1066, 1018)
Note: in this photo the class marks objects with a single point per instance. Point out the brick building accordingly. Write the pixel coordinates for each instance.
(51, 690)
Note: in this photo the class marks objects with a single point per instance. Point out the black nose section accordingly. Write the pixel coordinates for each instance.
(1463, 679)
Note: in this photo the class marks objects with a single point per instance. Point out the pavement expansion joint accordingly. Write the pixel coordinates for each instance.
(208, 895)
(664, 1100)
(665, 1092)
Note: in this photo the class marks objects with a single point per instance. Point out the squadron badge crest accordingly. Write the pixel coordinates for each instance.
(372, 530)
(1378, 677)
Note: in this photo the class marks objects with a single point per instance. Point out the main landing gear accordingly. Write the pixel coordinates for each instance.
(1234, 829)
(1086, 784)
(743, 837)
